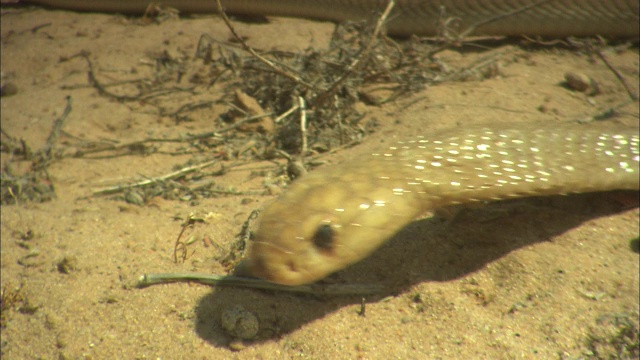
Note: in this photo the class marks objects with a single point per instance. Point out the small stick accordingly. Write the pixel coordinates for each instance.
(363, 308)
(136, 143)
(102, 89)
(47, 151)
(606, 113)
(472, 68)
(181, 245)
(119, 188)
(235, 281)
(633, 96)
(358, 60)
(303, 125)
(286, 113)
(262, 59)
(245, 232)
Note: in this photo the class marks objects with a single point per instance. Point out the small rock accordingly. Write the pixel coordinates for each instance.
(295, 169)
(8, 89)
(67, 265)
(239, 322)
(581, 82)
(134, 197)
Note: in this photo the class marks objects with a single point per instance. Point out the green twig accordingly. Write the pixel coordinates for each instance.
(219, 280)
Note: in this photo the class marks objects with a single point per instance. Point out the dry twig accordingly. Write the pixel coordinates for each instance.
(358, 60)
(270, 64)
(632, 95)
(146, 182)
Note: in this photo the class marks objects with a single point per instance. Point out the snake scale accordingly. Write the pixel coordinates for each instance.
(339, 214)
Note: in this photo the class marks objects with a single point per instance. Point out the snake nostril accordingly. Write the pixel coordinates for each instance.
(292, 266)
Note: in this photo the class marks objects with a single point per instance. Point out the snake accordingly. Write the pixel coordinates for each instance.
(554, 18)
(339, 214)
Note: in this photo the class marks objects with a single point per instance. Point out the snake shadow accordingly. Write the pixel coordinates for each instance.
(428, 250)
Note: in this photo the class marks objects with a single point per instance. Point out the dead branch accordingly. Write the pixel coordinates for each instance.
(270, 64)
(146, 182)
(358, 60)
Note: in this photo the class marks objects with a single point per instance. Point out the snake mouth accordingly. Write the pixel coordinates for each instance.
(272, 263)
(283, 273)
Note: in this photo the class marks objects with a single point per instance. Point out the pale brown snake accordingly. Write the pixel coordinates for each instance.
(339, 214)
(556, 18)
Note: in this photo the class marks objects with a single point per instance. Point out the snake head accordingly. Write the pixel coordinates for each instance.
(326, 221)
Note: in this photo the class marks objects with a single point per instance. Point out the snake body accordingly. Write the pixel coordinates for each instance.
(339, 214)
(557, 18)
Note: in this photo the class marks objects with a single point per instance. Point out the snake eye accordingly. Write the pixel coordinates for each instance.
(323, 238)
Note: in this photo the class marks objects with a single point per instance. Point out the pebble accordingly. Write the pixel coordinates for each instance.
(8, 89)
(581, 82)
(239, 322)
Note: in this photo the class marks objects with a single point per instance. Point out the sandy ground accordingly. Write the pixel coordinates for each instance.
(548, 278)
